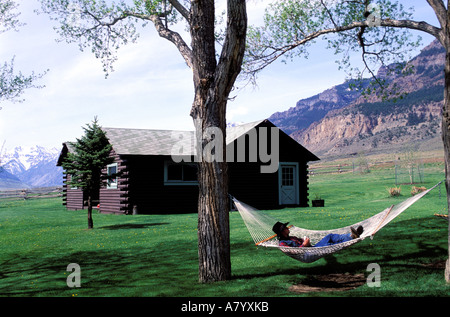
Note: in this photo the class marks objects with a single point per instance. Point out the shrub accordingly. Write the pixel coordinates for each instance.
(394, 191)
(415, 190)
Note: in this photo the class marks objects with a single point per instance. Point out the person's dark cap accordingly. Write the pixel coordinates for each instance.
(279, 227)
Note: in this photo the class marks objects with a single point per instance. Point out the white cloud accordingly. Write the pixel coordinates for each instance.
(236, 112)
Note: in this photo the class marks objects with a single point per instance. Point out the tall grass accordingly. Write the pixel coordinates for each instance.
(156, 255)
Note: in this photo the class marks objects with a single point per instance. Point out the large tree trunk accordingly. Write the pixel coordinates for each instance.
(208, 112)
(213, 82)
(213, 222)
(446, 140)
(446, 131)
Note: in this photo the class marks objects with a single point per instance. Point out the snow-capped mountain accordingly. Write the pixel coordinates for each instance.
(35, 166)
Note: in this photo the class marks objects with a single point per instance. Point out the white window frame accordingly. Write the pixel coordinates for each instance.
(168, 182)
(109, 184)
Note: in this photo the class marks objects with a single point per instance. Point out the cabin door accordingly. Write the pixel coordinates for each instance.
(288, 184)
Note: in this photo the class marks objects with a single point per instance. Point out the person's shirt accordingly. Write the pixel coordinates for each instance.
(291, 242)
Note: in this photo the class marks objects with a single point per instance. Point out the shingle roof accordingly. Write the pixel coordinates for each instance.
(162, 142)
(170, 142)
(145, 142)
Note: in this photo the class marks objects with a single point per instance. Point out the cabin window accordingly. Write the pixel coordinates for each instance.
(180, 174)
(112, 176)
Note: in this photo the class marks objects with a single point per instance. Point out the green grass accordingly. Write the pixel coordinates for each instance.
(156, 255)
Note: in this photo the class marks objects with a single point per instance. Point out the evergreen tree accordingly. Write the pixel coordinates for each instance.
(85, 163)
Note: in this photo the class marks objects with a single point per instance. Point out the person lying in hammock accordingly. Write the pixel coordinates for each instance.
(282, 231)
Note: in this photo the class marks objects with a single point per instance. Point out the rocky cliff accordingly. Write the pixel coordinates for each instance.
(349, 123)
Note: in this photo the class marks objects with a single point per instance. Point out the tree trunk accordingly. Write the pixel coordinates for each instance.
(213, 218)
(213, 223)
(447, 270)
(446, 130)
(89, 213)
(213, 82)
(446, 141)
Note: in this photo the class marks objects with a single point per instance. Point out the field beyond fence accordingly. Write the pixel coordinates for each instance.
(32, 193)
(404, 171)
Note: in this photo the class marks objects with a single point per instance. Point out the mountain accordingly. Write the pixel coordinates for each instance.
(32, 167)
(9, 181)
(312, 109)
(339, 121)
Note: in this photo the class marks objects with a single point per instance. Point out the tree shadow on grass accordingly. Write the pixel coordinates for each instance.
(135, 271)
(133, 226)
(331, 266)
(412, 245)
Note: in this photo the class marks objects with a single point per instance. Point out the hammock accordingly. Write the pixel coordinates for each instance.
(260, 227)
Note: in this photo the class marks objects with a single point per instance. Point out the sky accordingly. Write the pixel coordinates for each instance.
(151, 87)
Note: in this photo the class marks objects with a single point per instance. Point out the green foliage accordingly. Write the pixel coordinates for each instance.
(100, 25)
(90, 154)
(13, 84)
(104, 26)
(156, 7)
(290, 20)
(291, 26)
(8, 16)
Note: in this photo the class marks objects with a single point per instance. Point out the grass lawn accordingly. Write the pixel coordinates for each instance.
(156, 255)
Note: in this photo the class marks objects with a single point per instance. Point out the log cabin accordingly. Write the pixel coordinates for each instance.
(156, 170)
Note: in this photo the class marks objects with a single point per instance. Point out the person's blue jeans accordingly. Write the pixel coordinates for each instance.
(333, 238)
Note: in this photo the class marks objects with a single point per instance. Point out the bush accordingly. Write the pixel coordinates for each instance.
(415, 190)
(394, 191)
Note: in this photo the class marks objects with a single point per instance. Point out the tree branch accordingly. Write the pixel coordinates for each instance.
(280, 51)
(233, 50)
(409, 24)
(180, 8)
(440, 10)
(270, 57)
(167, 34)
(175, 38)
(330, 15)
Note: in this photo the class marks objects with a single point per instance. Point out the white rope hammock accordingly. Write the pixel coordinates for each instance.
(260, 227)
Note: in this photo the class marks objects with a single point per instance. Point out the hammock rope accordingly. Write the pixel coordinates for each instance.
(260, 226)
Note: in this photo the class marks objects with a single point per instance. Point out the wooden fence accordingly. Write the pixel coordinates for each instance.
(352, 167)
(33, 193)
(331, 169)
(356, 166)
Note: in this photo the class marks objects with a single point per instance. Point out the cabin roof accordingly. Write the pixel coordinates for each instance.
(146, 142)
(163, 142)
